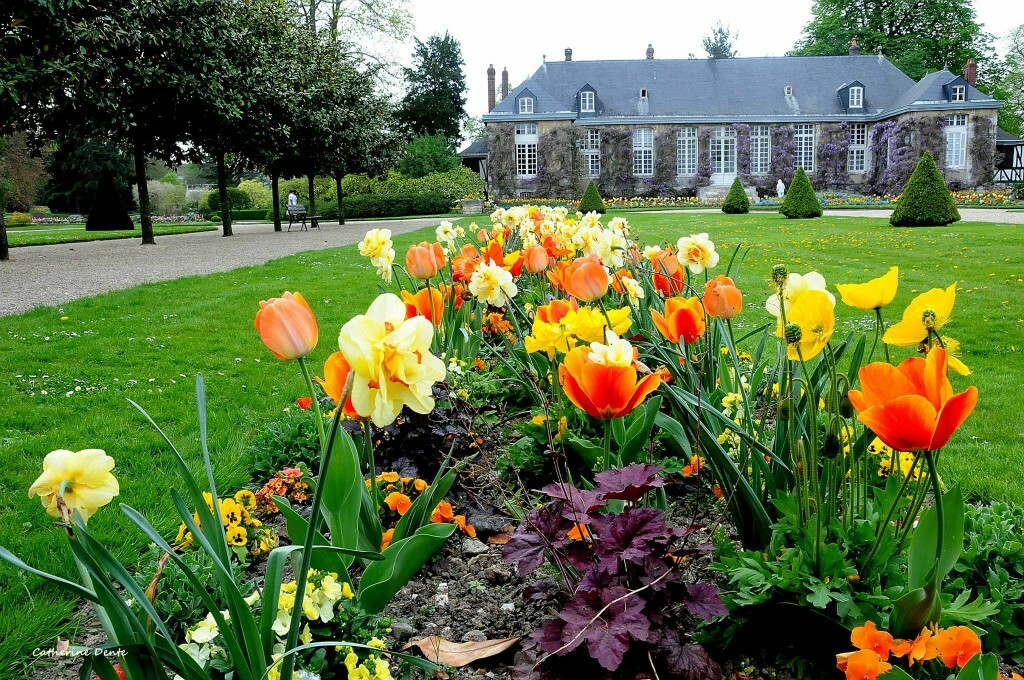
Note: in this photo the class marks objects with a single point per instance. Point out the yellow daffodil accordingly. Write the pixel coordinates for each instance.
(797, 285)
(874, 294)
(391, 359)
(812, 312)
(928, 311)
(492, 284)
(585, 324)
(88, 483)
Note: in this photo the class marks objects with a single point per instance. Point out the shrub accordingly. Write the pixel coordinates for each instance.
(801, 202)
(108, 209)
(260, 214)
(591, 201)
(373, 205)
(17, 219)
(926, 200)
(427, 154)
(286, 442)
(170, 178)
(40, 211)
(736, 202)
(259, 196)
(239, 200)
(165, 198)
(455, 184)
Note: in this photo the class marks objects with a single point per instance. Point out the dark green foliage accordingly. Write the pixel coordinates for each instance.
(436, 100)
(926, 200)
(591, 201)
(251, 214)
(801, 202)
(285, 442)
(108, 209)
(371, 205)
(427, 154)
(210, 202)
(736, 202)
(719, 43)
(74, 168)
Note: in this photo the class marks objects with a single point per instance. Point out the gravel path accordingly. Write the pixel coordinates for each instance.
(55, 274)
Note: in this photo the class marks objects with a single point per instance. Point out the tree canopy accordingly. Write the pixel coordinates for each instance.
(918, 36)
(719, 43)
(435, 103)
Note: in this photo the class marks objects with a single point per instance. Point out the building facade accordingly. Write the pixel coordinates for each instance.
(691, 126)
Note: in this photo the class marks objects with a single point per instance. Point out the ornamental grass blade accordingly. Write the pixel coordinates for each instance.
(459, 654)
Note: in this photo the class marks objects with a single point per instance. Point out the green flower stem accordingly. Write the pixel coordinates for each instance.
(933, 472)
(315, 517)
(891, 511)
(316, 405)
(880, 332)
(607, 443)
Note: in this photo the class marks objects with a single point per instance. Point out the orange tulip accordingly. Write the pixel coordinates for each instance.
(668, 276)
(554, 251)
(464, 264)
(424, 260)
(722, 298)
(911, 407)
(555, 311)
(683, 320)
(957, 644)
(287, 326)
(537, 259)
(585, 278)
(603, 390)
(428, 303)
(336, 372)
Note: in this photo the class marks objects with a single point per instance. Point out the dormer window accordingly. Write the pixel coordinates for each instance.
(526, 105)
(586, 102)
(959, 93)
(856, 97)
(643, 93)
(789, 90)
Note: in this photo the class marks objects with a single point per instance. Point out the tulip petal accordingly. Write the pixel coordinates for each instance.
(881, 383)
(953, 414)
(904, 424)
(643, 389)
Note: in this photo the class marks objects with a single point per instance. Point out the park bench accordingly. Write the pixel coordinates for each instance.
(297, 213)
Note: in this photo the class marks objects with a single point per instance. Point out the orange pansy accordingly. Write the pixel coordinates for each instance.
(398, 502)
(869, 637)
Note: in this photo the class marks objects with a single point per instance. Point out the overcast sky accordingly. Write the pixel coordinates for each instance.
(517, 34)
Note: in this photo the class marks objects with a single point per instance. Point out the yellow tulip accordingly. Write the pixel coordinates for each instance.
(89, 483)
(391, 360)
(928, 311)
(813, 313)
(874, 294)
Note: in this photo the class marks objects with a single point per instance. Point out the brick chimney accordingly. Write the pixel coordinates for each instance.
(490, 88)
(650, 51)
(568, 54)
(504, 82)
(854, 48)
(971, 72)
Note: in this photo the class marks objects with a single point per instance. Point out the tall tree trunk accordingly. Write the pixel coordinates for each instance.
(145, 218)
(5, 252)
(312, 197)
(275, 198)
(341, 198)
(222, 186)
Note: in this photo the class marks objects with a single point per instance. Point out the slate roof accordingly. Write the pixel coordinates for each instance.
(734, 89)
(477, 149)
(1005, 138)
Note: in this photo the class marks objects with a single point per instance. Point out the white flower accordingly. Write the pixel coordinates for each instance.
(616, 352)
(610, 246)
(651, 252)
(632, 287)
(375, 242)
(697, 251)
(492, 284)
(796, 285)
(203, 632)
(445, 232)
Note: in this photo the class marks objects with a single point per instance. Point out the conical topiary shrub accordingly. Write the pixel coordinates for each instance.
(801, 202)
(926, 200)
(591, 201)
(108, 210)
(736, 202)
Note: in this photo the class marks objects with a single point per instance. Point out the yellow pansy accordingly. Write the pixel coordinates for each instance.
(236, 536)
(813, 313)
(874, 294)
(928, 311)
(88, 483)
(246, 498)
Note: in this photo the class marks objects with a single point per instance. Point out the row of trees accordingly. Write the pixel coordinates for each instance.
(244, 82)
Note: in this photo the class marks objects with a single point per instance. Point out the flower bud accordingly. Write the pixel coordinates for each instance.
(784, 410)
(831, 446)
(845, 407)
(780, 273)
(793, 333)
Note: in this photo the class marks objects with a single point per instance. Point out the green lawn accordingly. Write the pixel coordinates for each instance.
(43, 234)
(63, 383)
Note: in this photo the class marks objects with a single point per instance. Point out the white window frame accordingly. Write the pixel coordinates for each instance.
(588, 101)
(956, 141)
(803, 141)
(592, 152)
(643, 151)
(686, 151)
(856, 154)
(526, 104)
(959, 93)
(526, 150)
(856, 97)
(760, 149)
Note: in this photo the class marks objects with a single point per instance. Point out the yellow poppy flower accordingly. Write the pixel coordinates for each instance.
(928, 311)
(952, 361)
(874, 294)
(813, 313)
(88, 483)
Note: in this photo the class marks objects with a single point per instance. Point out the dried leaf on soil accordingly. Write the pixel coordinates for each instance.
(438, 650)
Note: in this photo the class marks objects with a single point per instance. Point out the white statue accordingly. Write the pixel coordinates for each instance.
(780, 189)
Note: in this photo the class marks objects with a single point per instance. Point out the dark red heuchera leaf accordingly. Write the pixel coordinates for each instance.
(703, 600)
(542, 528)
(630, 536)
(628, 483)
(578, 502)
(607, 635)
(687, 661)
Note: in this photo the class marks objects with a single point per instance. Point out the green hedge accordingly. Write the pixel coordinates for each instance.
(926, 200)
(453, 185)
(363, 206)
(210, 201)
